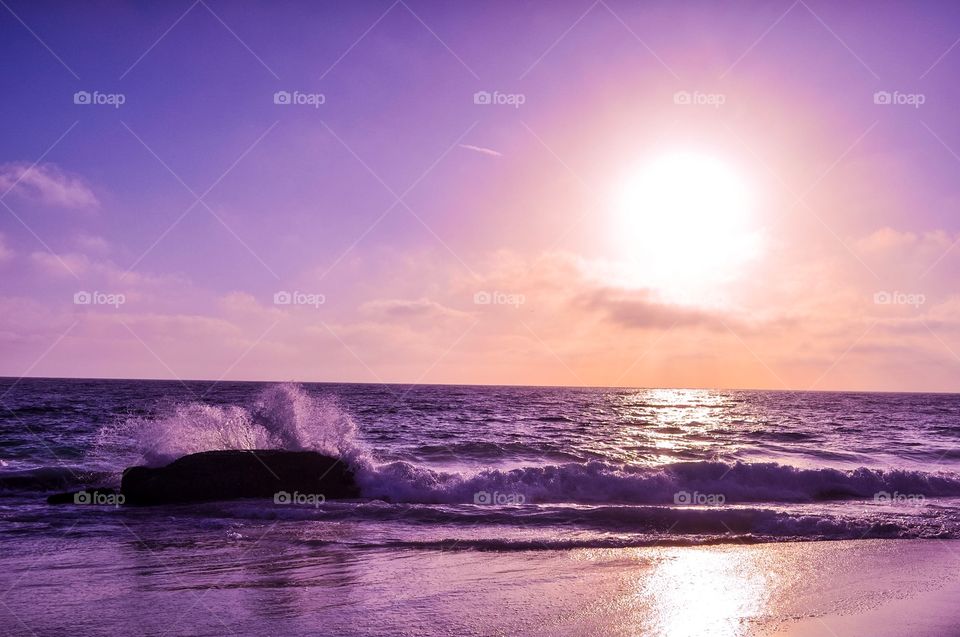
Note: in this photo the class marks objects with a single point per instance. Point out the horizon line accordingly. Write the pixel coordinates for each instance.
(17, 379)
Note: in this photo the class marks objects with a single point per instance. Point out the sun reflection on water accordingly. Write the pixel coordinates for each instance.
(659, 426)
(699, 592)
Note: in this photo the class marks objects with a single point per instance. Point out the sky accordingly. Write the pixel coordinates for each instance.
(752, 195)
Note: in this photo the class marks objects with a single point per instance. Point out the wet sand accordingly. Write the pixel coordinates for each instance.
(255, 586)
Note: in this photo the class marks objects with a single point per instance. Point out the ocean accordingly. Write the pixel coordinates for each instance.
(476, 500)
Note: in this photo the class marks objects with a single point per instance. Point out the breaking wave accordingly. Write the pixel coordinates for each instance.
(599, 482)
(283, 416)
(286, 416)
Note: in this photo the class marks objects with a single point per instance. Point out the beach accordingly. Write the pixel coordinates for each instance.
(249, 586)
(486, 511)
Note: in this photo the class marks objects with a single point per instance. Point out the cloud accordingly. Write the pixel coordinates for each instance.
(641, 309)
(402, 309)
(481, 150)
(77, 264)
(92, 243)
(887, 243)
(419, 322)
(71, 264)
(244, 308)
(5, 252)
(47, 184)
(24, 319)
(172, 292)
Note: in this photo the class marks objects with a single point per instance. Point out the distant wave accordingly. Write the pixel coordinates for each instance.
(494, 450)
(629, 541)
(600, 482)
(50, 478)
(550, 527)
(783, 523)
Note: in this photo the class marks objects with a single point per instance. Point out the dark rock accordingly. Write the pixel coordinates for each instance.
(226, 475)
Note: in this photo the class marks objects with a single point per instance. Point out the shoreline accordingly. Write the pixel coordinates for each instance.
(261, 580)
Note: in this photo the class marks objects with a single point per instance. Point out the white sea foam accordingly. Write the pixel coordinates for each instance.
(600, 482)
(283, 416)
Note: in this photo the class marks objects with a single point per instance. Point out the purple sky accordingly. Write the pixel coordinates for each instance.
(852, 198)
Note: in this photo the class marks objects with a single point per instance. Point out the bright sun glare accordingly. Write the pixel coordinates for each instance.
(688, 222)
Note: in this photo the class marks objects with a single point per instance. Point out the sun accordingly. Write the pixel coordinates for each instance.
(686, 222)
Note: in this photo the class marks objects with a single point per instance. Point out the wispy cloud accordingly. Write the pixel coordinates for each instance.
(481, 150)
(47, 184)
(5, 252)
(393, 309)
(640, 309)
